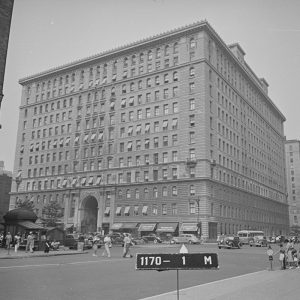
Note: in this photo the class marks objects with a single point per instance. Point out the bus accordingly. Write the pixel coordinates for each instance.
(246, 235)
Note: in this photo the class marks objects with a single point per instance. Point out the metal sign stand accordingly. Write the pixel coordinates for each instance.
(177, 284)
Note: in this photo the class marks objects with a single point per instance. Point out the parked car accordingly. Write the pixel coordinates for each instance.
(185, 238)
(71, 241)
(152, 238)
(229, 242)
(258, 241)
(117, 238)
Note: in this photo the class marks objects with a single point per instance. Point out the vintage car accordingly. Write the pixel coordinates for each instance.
(229, 242)
(71, 241)
(258, 241)
(152, 238)
(185, 238)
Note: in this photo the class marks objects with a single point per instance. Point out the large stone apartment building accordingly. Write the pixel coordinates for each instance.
(174, 133)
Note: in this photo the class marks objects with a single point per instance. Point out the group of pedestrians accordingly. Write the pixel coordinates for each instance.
(13, 242)
(289, 256)
(108, 244)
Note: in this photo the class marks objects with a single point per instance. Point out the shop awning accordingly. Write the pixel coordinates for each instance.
(147, 227)
(118, 210)
(166, 227)
(144, 210)
(129, 225)
(126, 210)
(116, 226)
(30, 225)
(189, 227)
(107, 211)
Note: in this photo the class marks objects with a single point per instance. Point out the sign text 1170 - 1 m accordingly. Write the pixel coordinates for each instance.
(178, 261)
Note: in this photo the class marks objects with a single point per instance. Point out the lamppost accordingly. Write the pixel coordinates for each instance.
(198, 216)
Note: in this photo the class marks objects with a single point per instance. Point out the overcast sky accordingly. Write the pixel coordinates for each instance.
(49, 33)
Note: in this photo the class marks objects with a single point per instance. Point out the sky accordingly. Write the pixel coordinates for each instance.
(50, 33)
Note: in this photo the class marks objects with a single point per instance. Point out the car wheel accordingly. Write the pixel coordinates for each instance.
(250, 245)
(219, 247)
(190, 242)
(155, 241)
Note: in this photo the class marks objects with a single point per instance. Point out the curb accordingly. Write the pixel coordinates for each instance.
(42, 255)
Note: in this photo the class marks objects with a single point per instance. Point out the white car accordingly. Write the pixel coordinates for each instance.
(186, 238)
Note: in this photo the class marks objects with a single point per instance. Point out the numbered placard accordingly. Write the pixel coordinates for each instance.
(178, 261)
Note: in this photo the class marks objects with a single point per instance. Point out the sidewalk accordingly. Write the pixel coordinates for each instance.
(275, 285)
(23, 254)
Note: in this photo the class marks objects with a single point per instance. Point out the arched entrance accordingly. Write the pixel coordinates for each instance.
(89, 208)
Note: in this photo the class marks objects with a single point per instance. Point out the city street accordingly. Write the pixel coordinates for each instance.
(87, 277)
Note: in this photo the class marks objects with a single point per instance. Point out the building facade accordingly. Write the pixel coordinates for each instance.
(172, 133)
(292, 154)
(5, 187)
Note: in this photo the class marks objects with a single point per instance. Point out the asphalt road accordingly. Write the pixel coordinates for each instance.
(79, 277)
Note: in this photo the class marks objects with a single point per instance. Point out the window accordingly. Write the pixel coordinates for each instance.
(192, 120)
(175, 107)
(163, 209)
(192, 72)
(192, 207)
(192, 104)
(192, 190)
(192, 87)
(174, 191)
(174, 209)
(192, 43)
(192, 154)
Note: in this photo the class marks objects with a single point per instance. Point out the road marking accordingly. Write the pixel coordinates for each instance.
(64, 264)
(202, 285)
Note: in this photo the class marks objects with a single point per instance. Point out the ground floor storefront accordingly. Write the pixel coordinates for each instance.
(206, 208)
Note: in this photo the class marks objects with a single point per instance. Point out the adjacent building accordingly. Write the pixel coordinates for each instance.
(292, 153)
(6, 9)
(5, 187)
(174, 133)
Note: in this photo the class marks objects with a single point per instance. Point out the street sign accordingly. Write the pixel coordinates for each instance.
(270, 252)
(178, 261)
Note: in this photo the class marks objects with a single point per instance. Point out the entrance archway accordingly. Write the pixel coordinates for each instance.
(89, 214)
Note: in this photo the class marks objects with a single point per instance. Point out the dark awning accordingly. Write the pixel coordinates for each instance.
(147, 227)
(189, 227)
(30, 225)
(129, 225)
(166, 227)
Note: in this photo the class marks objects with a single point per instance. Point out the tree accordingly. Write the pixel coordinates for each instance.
(52, 212)
(28, 204)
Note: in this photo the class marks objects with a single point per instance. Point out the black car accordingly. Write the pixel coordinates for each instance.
(229, 242)
(117, 238)
(152, 238)
(71, 241)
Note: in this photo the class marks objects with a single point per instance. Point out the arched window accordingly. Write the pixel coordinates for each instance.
(167, 48)
(175, 47)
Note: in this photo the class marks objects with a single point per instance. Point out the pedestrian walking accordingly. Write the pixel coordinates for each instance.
(8, 240)
(107, 246)
(47, 246)
(127, 243)
(289, 254)
(17, 241)
(282, 257)
(30, 242)
(95, 245)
